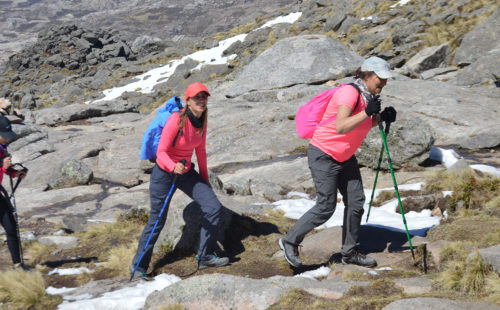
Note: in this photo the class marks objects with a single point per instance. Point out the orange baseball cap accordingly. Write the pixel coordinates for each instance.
(193, 89)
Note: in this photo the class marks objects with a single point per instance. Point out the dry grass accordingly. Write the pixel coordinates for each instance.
(24, 290)
(450, 33)
(474, 277)
(456, 251)
(482, 230)
(470, 190)
(38, 252)
(238, 30)
(298, 299)
(118, 255)
(172, 307)
(467, 277)
(492, 288)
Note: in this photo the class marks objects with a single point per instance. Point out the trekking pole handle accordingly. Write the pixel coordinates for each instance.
(380, 126)
(11, 168)
(183, 161)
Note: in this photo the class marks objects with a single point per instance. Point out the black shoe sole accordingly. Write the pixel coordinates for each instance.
(367, 266)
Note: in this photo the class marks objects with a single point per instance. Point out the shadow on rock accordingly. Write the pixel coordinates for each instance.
(234, 228)
(379, 239)
(59, 263)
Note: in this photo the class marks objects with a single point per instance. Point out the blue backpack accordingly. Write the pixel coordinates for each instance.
(152, 135)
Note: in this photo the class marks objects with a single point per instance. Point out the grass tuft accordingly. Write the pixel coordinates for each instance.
(474, 277)
(456, 251)
(118, 255)
(21, 289)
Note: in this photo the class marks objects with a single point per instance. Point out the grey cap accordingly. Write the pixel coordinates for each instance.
(377, 65)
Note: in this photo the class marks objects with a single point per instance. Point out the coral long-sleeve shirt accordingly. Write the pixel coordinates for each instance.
(167, 156)
(342, 146)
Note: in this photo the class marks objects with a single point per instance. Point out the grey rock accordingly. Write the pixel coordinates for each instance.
(220, 291)
(414, 285)
(485, 70)
(436, 72)
(491, 256)
(436, 304)
(481, 140)
(347, 23)
(182, 228)
(478, 42)
(334, 21)
(459, 166)
(74, 223)
(43, 200)
(321, 59)
(263, 180)
(429, 58)
(405, 144)
(62, 242)
(33, 150)
(52, 116)
(454, 113)
(71, 173)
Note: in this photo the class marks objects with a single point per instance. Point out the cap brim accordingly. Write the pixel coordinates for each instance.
(8, 134)
(384, 74)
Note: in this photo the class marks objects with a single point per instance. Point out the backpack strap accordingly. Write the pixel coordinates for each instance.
(355, 106)
(359, 94)
(179, 131)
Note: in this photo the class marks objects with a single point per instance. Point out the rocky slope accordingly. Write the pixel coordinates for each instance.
(446, 94)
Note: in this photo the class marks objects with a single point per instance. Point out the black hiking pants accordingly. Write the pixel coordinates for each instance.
(9, 224)
(328, 176)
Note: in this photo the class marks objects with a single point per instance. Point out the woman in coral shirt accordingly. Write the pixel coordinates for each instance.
(183, 133)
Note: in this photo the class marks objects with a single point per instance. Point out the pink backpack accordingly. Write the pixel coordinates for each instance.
(309, 115)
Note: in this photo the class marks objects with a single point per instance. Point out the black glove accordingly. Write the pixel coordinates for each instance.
(388, 115)
(373, 106)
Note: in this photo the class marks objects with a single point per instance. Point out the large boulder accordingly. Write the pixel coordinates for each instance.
(406, 144)
(296, 60)
(221, 291)
(478, 42)
(485, 70)
(432, 303)
(71, 173)
(429, 58)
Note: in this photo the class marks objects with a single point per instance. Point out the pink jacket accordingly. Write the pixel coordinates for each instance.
(167, 156)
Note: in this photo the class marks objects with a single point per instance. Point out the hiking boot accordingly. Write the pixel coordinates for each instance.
(139, 274)
(212, 261)
(22, 267)
(291, 252)
(357, 258)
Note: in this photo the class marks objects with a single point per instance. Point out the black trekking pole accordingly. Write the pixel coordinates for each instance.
(12, 198)
(384, 141)
(387, 126)
(169, 196)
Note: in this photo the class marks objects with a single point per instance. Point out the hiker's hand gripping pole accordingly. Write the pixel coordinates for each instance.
(169, 196)
(389, 161)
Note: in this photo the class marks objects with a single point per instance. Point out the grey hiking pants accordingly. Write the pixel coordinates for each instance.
(328, 176)
(193, 185)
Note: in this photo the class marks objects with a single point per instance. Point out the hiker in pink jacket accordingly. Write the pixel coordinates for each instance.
(183, 133)
(334, 166)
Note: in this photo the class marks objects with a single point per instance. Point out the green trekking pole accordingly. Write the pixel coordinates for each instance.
(381, 127)
(387, 126)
